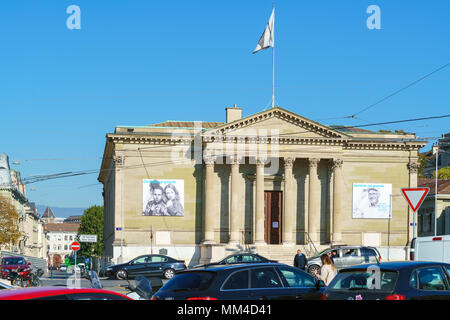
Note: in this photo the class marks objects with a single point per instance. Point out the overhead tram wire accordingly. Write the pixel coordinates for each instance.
(353, 116)
(400, 90)
(398, 121)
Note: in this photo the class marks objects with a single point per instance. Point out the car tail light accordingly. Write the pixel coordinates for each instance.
(395, 297)
(323, 296)
(379, 259)
(411, 256)
(202, 298)
(154, 298)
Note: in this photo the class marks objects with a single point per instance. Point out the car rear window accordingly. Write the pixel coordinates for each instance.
(190, 281)
(364, 280)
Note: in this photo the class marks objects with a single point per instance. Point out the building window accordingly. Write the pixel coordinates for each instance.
(65, 247)
(65, 238)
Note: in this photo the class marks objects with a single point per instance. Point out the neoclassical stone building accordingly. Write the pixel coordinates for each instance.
(269, 182)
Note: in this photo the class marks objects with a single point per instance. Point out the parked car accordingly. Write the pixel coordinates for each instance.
(4, 285)
(432, 248)
(240, 258)
(63, 267)
(60, 293)
(346, 256)
(251, 281)
(406, 280)
(15, 263)
(146, 265)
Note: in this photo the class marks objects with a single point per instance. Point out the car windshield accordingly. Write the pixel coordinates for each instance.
(364, 280)
(189, 281)
(10, 261)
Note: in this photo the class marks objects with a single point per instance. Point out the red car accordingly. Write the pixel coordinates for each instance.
(60, 293)
(15, 263)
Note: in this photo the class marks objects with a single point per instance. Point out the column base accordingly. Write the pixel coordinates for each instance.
(208, 242)
(337, 239)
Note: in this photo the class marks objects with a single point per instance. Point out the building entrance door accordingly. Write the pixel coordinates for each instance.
(273, 201)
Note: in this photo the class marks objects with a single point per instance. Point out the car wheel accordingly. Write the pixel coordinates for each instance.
(313, 268)
(121, 274)
(169, 273)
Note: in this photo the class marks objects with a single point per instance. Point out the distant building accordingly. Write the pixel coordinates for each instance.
(34, 241)
(59, 238)
(48, 216)
(443, 159)
(425, 216)
(14, 191)
(73, 219)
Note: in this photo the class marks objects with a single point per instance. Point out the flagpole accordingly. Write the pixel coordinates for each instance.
(273, 60)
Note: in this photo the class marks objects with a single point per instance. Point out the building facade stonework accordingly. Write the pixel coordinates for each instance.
(269, 182)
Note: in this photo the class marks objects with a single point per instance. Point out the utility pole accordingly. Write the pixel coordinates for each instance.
(121, 211)
(436, 190)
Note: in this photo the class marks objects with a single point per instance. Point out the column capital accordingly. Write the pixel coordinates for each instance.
(289, 162)
(209, 160)
(336, 163)
(313, 162)
(235, 160)
(118, 161)
(413, 167)
(261, 161)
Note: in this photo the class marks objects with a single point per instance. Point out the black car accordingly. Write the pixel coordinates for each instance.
(406, 280)
(240, 258)
(261, 281)
(147, 265)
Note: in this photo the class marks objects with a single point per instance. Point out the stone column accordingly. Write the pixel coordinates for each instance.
(289, 202)
(259, 217)
(336, 166)
(209, 201)
(413, 167)
(235, 193)
(314, 201)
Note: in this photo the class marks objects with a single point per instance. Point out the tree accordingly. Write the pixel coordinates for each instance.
(422, 162)
(92, 223)
(9, 223)
(443, 173)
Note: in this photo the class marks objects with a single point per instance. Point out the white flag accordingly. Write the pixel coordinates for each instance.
(267, 39)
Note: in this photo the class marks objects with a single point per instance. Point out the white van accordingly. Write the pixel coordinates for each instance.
(434, 248)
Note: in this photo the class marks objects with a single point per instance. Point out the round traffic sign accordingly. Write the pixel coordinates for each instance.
(75, 246)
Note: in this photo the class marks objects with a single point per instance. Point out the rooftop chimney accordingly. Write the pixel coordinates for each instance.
(233, 113)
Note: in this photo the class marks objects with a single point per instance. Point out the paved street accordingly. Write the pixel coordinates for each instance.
(60, 278)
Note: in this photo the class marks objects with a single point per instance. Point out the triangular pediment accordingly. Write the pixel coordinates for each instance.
(286, 123)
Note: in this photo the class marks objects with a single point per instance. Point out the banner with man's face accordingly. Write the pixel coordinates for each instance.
(162, 197)
(372, 200)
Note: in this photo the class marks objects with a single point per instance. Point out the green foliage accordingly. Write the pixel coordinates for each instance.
(422, 162)
(443, 173)
(9, 222)
(92, 223)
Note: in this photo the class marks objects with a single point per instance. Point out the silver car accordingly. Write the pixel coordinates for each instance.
(345, 256)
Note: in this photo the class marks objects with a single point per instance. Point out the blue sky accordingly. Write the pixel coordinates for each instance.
(143, 62)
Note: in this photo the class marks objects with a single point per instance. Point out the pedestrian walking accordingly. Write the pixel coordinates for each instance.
(327, 271)
(300, 260)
